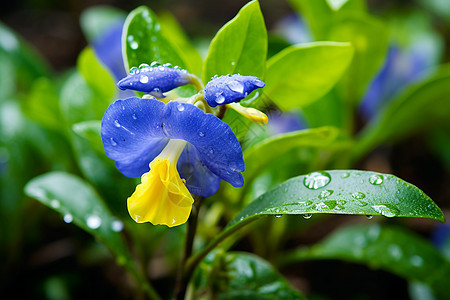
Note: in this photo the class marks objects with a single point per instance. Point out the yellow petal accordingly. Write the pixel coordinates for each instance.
(162, 197)
(250, 113)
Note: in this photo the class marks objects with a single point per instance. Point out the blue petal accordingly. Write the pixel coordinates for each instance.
(154, 80)
(216, 143)
(132, 135)
(200, 180)
(108, 47)
(230, 88)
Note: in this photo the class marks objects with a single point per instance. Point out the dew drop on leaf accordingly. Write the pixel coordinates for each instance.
(55, 203)
(358, 195)
(116, 226)
(307, 216)
(369, 217)
(278, 216)
(68, 218)
(376, 179)
(386, 210)
(317, 180)
(93, 222)
(325, 194)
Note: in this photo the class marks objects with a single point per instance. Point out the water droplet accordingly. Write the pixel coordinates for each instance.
(134, 45)
(376, 179)
(361, 203)
(358, 195)
(93, 222)
(55, 203)
(180, 107)
(386, 210)
(360, 240)
(326, 193)
(233, 63)
(305, 203)
(345, 175)
(113, 142)
(278, 216)
(68, 218)
(116, 226)
(326, 205)
(201, 133)
(220, 98)
(154, 64)
(134, 70)
(173, 221)
(211, 151)
(236, 86)
(395, 251)
(317, 180)
(161, 68)
(142, 66)
(307, 216)
(143, 79)
(116, 123)
(369, 217)
(134, 116)
(416, 260)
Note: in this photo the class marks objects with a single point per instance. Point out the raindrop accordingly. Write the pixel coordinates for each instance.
(116, 123)
(233, 63)
(134, 70)
(55, 203)
(143, 79)
(180, 107)
(416, 260)
(93, 222)
(113, 142)
(317, 180)
(142, 66)
(201, 134)
(361, 203)
(173, 221)
(326, 193)
(161, 68)
(220, 98)
(307, 216)
(386, 210)
(358, 195)
(154, 64)
(117, 226)
(395, 251)
(306, 203)
(134, 45)
(376, 179)
(345, 175)
(369, 217)
(134, 116)
(325, 205)
(236, 86)
(278, 216)
(68, 218)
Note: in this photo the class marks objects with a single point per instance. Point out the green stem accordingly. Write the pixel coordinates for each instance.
(184, 277)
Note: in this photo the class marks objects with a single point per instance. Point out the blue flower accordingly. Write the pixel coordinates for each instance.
(155, 79)
(230, 88)
(177, 148)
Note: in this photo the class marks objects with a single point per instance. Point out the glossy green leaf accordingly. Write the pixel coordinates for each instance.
(144, 42)
(369, 36)
(90, 130)
(303, 73)
(239, 275)
(260, 155)
(240, 46)
(177, 37)
(382, 247)
(78, 202)
(96, 75)
(95, 20)
(420, 107)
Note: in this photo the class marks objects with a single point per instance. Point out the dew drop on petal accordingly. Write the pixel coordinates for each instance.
(180, 107)
(142, 66)
(134, 70)
(116, 226)
(113, 142)
(317, 180)
(93, 222)
(202, 134)
(143, 79)
(68, 218)
(307, 216)
(220, 98)
(376, 179)
(236, 86)
(116, 123)
(134, 116)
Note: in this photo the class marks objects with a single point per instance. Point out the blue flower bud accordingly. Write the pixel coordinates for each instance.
(154, 79)
(230, 88)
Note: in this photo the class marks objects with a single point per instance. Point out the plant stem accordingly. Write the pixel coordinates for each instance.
(184, 277)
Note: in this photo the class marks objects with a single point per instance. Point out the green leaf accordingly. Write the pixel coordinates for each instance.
(90, 130)
(78, 202)
(177, 37)
(239, 275)
(144, 42)
(96, 75)
(382, 247)
(303, 73)
(260, 155)
(240, 46)
(95, 20)
(369, 36)
(422, 106)
(343, 192)
(336, 4)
